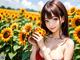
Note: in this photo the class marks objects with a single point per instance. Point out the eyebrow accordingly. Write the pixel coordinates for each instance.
(52, 16)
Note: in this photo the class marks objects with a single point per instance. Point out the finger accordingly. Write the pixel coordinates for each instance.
(37, 34)
(31, 41)
(34, 38)
(37, 39)
(29, 38)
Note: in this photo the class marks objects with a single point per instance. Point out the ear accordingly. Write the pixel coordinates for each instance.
(62, 19)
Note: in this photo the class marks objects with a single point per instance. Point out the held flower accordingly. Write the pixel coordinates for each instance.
(40, 31)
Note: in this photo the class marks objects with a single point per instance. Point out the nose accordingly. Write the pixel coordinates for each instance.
(51, 24)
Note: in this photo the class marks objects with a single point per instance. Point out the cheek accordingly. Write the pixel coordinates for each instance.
(47, 25)
(58, 25)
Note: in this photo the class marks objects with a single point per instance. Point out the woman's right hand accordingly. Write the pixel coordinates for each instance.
(32, 41)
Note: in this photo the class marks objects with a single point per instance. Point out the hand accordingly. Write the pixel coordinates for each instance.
(32, 41)
(38, 38)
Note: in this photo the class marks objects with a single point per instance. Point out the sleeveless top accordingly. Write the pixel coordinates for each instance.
(38, 56)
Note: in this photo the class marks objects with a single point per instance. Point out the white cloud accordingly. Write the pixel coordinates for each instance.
(68, 5)
(22, 4)
(26, 3)
(78, 0)
(30, 5)
(40, 5)
(17, 1)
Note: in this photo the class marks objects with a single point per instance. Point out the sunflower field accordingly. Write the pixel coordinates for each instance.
(15, 28)
(17, 25)
(74, 29)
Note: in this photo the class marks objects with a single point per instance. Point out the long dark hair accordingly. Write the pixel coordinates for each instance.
(58, 9)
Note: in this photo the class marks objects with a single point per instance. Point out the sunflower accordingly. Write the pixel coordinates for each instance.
(75, 21)
(0, 35)
(14, 26)
(38, 22)
(78, 11)
(22, 10)
(69, 21)
(71, 11)
(35, 18)
(1, 17)
(2, 13)
(31, 17)
(27, 27)
(15, 17)
(26, 15)
(22, 38)
(76, 34)
(40, 31)
(7, 33)
(8, 19)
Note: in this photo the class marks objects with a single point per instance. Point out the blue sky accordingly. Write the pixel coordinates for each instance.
(36, 4)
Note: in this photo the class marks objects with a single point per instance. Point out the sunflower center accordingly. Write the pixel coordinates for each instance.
(14, 27)
(30, 18)
(0, 18)
(6, 34)
(9, 18)
(28, 29)
(23, 36)
(22, 11)
(72, 10)
(78, 34)
(77, 22)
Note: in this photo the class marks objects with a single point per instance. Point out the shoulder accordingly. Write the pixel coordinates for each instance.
(69, 42)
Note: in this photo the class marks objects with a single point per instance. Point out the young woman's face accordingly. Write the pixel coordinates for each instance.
(53, 24)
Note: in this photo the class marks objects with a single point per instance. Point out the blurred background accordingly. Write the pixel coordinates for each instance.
(18, 18)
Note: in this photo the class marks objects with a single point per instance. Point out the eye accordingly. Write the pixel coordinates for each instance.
(55, 18)
(46, 21)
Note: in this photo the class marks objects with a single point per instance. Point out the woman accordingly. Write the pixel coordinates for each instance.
(56, 45)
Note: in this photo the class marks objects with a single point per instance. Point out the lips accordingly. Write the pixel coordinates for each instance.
(52, 28)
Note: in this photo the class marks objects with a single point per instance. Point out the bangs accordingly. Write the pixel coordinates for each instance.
(51, 10)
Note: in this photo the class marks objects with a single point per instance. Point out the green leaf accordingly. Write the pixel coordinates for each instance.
(26, 55)
(25, 47)
(77, 46)
(77, 57)
(11, 55)
(71, 32)
(15, 38)
(2, 56)
(16, 31)
(2, 53)
(70, 16)
(15, 47)
(70, 29)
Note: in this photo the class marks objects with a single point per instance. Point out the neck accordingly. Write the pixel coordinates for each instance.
(57, 34)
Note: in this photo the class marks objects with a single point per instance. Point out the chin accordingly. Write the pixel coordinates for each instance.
(54, 30)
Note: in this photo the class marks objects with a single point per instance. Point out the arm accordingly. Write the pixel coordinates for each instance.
(33, 54)
(69, 50)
